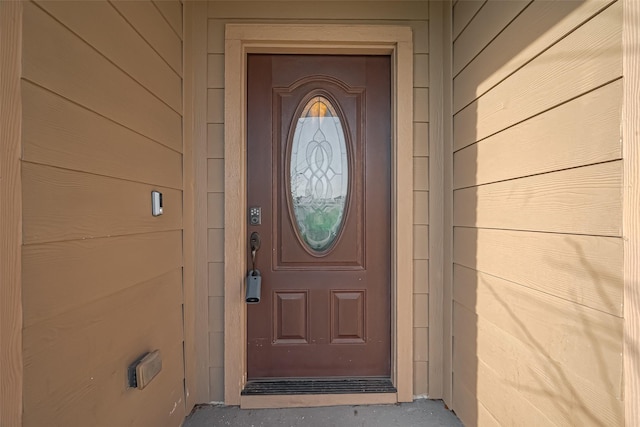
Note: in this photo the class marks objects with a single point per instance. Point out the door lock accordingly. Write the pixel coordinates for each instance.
(255, 215)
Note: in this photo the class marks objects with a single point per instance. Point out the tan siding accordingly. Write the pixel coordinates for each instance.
(77, 270)
(60, 133)
(521, 41)
(581, 132)
(79, 73)
(421, 173)
(484, 417)
(215, 71)
(47, 344)
(420, 276)
(420, 242)
(406, 13)
(421, 70)
(121, 44)
(485, 382)
(171, 10)
(488, 23)
(582, 201)
(215, 245)
(578, 339)
(583, 269)
(420, 29)
(81, 206)
(537, 252)
(421, 313)
(470, 411)
(102, 278)
(420, 378)
(549, 386)
(215, 210)
(216, 349)
(421, 105)
(420, 139)
(215, 176)
(51, 347)
(215, 141)
(215, 106)
(420, 344)
(216, 314)
(467, 410)
(216, 366)
(463, 12)
(215, 33)
(587, 58)
(216, 279)
(216, 381)
(150, 23)
(421, 207)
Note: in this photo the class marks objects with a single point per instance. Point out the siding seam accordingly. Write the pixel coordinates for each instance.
(143, 38)
(84, 107)
(493, 38)
(534, 56)
(537, 174)
(536, 114)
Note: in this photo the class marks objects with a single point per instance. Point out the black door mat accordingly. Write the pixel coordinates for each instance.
(318, 386)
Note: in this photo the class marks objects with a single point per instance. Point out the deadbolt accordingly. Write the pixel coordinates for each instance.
(255, 215)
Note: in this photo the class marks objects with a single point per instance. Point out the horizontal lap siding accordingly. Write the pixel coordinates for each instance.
(102, 278)
(155, 29)
(564, 71)
(580, 201)
(556, 263)
(553, 140)
(60, 133)
(407, 13)
(477, 35)
(519, 43)
(463, 13)
(538, 214)
(61, 62)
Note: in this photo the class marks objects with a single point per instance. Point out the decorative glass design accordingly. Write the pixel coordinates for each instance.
(319, 174)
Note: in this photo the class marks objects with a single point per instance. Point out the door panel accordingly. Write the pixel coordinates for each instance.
(325, 308)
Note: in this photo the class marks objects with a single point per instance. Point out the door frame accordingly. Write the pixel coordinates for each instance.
(396, 41)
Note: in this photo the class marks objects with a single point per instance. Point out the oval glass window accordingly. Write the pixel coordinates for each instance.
(319, 174)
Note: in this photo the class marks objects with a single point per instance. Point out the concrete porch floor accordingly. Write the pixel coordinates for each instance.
(423, 413)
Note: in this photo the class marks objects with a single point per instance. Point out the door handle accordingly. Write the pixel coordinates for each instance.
(254, 281)
(254, 244)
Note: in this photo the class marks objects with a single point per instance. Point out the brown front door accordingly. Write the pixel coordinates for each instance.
(319, 170)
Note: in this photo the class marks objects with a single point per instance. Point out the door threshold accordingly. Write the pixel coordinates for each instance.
(315, 386)
(315, 400)
(295, 393)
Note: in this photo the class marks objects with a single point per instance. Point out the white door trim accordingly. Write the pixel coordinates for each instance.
(241, 39)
